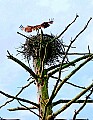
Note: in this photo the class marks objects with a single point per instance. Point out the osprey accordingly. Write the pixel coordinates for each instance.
(37, 27)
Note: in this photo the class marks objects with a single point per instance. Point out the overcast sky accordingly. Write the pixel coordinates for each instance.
(13, 13)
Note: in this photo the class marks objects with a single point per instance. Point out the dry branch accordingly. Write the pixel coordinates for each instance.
(24, 87)
(56, 90)
(46, 50)
(7, 102)
(20, 99)
(66, 101)
(21, 108)
(23, 35)
(66, 28)
(65, 56)
(72, 41)
(64, 80)
(72, 101)
(70, 83)
(70, 75)
(66, 65)
(29, 109)
(22, 64)
(84, 103)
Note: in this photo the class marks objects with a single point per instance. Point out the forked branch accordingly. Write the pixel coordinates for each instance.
(68, 64)
(72, 84)
(23, 65)
(22, 89)
(84, 103)
(66, 28)
(29, 109)
(72, 101)
(20, 99)
(64, 81)
(70, 75)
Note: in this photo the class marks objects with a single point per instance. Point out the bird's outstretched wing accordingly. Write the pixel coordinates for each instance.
(29, 28)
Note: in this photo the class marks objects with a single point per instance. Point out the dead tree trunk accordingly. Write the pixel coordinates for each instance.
(46, 50)
(42, 81)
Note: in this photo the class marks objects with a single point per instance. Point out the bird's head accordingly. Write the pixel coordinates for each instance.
(21, 26)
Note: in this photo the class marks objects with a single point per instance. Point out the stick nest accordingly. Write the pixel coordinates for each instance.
(43, 47)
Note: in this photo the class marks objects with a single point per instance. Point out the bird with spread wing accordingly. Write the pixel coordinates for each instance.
(36, 27)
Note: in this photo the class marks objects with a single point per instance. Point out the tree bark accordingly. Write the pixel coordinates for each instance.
(42, 87)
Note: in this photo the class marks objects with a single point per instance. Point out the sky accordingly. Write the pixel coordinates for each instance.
(13, 13)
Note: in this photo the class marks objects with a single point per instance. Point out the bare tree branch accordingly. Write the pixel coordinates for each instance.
(67, 77)
(56, 66)
(45, 105)
(23, 35)
(65, 56)
(66, 28)
(24, 87)
(29, 109)
(77, 53)
(21, 99)
(67, 53)
(81, 31)
(23, 65)
(85, 102)
(63, 81)
(42, 58)
(66, 101)
(72, 101)
(72, 73)
(68, 64)
(17, 93)
(71, 83)
(22, 108)
(72, 41)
